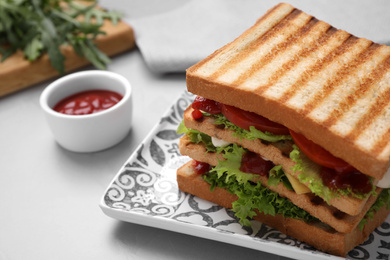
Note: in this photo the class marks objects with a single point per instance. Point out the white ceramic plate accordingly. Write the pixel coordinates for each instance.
(145, 192)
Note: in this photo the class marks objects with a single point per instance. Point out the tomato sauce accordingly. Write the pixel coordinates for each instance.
(355, 180)
(201, 167)
(254, 163)
(88, 102)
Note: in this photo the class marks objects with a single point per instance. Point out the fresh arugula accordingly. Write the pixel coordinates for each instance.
(36, 27)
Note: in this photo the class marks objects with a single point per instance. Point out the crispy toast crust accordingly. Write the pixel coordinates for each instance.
(349, 205)
(325, 239)
(335, 218)
(313, 78)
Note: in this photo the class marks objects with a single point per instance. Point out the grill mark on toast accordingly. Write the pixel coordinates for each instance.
(284, 146)
(382, 101)
(220, 126)
(274, 16)
(340, 75)
(200, 120)
(302, 54)
(374, 112)
(381, 144)
(288, 66)
(274, 52)
(270, 11)
(360, 90)
(317, 201)
(255, 44)
(314, 70)
(339, 214)
(264, 142)
(264, 17)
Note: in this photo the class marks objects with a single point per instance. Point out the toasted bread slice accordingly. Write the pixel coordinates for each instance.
(319, 81)
(277, 154)
(325, 238)
(335, 218)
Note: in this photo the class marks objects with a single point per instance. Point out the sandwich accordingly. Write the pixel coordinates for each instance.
(290, 127)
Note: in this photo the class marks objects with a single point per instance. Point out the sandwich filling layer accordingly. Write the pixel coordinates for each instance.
(335, 173)
(248, 167)
(298, 167)
(325, 239)
(256, 196)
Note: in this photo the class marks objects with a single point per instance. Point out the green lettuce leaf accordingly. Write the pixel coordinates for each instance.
(253, 134)
(251, 196)
(231, 166)
(197, 137)
(276, 175)
(255, 196)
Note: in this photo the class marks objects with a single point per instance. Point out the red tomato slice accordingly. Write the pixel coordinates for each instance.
(319, 155)
(245, 119)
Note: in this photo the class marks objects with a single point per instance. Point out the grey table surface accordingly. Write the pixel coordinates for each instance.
(49, 197)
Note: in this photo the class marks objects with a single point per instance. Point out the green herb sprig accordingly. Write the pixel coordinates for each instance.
(37, 27)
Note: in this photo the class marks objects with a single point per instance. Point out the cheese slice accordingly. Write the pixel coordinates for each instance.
(298, 187)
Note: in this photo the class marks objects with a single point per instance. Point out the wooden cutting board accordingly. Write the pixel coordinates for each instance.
(16, 73)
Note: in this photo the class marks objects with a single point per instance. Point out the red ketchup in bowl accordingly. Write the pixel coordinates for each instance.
(88, 102)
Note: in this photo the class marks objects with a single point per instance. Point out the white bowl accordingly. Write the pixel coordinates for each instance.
(92, 132)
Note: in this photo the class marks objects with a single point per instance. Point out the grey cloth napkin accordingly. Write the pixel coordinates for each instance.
(172, 40)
